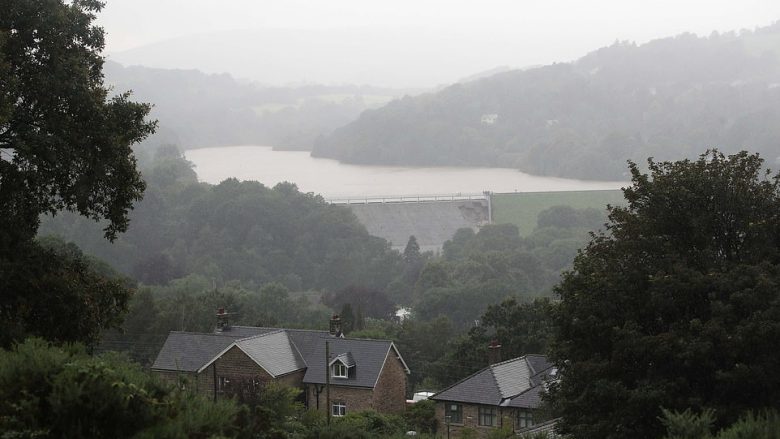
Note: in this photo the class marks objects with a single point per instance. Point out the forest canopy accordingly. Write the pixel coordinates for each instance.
(669, 98)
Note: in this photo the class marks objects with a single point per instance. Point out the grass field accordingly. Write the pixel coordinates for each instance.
(522, 208)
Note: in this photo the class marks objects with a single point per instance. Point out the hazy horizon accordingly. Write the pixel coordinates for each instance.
(398, 44)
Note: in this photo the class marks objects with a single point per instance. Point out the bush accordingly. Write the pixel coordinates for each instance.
(49, 391)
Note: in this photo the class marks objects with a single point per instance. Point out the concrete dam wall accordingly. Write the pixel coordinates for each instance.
(431, 222)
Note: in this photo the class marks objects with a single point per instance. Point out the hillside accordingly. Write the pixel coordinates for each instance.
(668, 98)
(196, 109)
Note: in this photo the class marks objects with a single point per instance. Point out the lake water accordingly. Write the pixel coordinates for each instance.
(333, 179)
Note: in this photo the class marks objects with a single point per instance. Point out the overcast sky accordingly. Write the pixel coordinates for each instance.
(504, 32)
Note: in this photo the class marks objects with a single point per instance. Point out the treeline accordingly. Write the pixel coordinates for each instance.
(667, 99)
(277, 257)
(195, 109)
(234, 231)
(483, 268)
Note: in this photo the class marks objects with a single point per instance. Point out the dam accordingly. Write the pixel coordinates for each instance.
(432, 219)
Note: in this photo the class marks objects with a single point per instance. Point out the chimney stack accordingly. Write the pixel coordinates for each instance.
(335, 326)
(494, 352)
(223, 320)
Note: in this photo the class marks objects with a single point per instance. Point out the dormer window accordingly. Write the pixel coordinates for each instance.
(340, 370)
(339, 367)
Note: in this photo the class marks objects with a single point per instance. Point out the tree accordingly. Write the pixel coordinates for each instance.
(521, 328)
(676, 304)
(64, 144)
(49, 391)
(56, 292)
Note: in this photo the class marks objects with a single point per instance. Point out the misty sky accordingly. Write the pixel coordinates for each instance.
(400, 42)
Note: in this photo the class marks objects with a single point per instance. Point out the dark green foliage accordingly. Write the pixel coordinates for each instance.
(496, 263)
(520, 328)
(667, 98)
(53, 392)
(64, 143)
(424, 345)
(371, 303)
(765, 425)
(190, 304)
(421, 416)
(347, 319)
(273, 412)
(677, 305)
(688, 425)
(52, 290)
(240, 231)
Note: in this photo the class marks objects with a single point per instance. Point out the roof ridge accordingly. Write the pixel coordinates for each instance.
(495, 381)
(196, 333)
(508, 361)
(252, 337)
(368, 339)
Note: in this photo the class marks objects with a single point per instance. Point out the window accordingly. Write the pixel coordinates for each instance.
(339, 408)
(455, 413)
(222, 384)
(524, 419)
(487, 416)
(339, 370)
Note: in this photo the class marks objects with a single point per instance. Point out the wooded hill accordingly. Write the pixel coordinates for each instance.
(196, 109)
(669, 98)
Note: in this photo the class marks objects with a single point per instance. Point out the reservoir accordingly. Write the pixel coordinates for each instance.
(333, 179)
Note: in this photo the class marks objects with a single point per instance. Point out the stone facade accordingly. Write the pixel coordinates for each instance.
(388, 396)
(470, 419)
(234, 371)
(390, 391)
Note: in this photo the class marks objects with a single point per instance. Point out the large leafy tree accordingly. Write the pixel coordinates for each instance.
(64, 145)
(677, 304)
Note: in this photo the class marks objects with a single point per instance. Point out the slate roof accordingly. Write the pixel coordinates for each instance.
(273, 352)
(529, 399)
(500, 383)
(188, 351)
(368, 355)
(280, 351)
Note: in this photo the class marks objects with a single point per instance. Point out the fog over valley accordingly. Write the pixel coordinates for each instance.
(354, 219)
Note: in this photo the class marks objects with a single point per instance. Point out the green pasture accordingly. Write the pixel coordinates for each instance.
(522, 208)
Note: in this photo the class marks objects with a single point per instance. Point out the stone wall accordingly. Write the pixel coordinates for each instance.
(355, 398)
(390, 390)
(470, 419)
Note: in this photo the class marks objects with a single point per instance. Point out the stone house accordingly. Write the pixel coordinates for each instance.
(505, 392)
(364, 374)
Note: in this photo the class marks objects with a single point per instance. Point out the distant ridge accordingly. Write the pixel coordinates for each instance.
(670, 98)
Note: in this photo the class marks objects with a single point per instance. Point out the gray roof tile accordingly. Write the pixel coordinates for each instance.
(368, 355)
(278, 351)
(498, 383)
(188, 351)
(273, 352)
(529, 399)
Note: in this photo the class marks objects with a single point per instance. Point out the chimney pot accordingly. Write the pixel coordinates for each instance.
(494, 352)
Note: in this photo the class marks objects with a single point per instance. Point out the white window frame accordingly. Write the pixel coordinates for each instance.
(337, 368)
(338, 409)
(222, 383)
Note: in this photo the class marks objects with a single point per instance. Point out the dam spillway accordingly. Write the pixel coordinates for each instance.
(431, 220)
